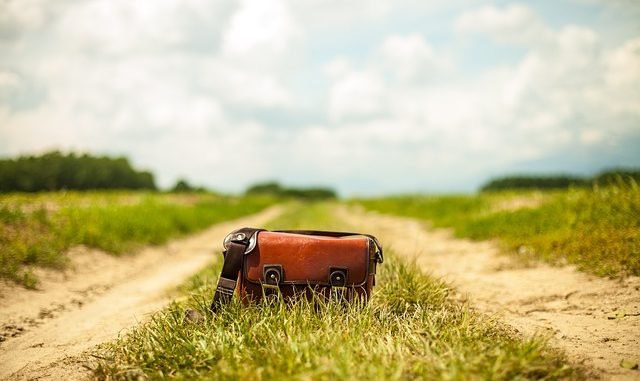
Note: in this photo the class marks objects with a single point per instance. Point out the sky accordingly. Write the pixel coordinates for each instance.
(369, 97)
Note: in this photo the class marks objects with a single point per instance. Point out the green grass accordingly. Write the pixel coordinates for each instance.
(36, 230)
(410, 330)
(598, 230)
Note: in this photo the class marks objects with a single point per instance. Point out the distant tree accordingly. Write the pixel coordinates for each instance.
(617, 176)
(275, 189)
(534, 182)
(269, 187)
(54, 171)
(608, 177)
(310, 193)
(182, 186)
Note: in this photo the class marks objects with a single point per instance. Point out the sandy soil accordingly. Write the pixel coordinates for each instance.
(49, 333)
(595, 321)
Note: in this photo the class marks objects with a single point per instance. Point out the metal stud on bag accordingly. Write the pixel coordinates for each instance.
(338, 276)
(240, 237)
(272, 274)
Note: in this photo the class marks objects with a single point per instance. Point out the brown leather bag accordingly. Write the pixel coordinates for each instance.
(290, 263)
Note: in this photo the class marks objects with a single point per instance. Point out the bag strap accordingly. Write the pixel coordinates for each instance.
(236, 246)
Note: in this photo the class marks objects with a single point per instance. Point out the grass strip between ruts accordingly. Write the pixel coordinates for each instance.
(411, 329)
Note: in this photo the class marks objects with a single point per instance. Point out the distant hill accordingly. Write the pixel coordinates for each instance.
(56, 171)
(611, 176)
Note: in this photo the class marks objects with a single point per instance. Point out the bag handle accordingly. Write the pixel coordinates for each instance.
(239, 240)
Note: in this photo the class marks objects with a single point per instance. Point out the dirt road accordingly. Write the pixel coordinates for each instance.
(43, 332)
(595, 321)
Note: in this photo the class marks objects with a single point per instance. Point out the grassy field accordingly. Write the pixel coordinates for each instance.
(410, 330)
(598, 229)
(37, 229)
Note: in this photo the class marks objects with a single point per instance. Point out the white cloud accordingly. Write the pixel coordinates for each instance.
(408, 58)
(127, 77)
(265, 25)
(127, 28)
(514, 23)
(400, 62)
(246, 87)
(356, 94)
(256, 53)
(566, 73)
(549, 101)
(622, 78)
(10, 82)
(332, 13)
(187, 88)
(18, 16)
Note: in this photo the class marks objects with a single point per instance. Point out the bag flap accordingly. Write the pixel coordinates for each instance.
(307, 259)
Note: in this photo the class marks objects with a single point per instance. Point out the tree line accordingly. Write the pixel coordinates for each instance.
(275, 189)
(57, 171)
(608, 177)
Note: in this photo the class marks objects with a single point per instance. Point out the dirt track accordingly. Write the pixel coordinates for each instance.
(595, 321)
(44, 332)
(47, 334)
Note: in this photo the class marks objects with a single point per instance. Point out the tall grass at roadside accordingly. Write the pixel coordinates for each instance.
(410, 330)
(598, 229)
(37, 230)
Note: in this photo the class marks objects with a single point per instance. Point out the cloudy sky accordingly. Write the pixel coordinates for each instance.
(367, 96)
